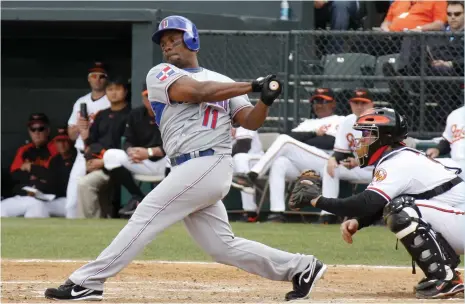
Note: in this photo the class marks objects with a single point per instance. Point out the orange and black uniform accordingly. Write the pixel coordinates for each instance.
(39, 157)
(58, 172)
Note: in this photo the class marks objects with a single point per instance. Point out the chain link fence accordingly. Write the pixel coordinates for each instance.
(419, 74)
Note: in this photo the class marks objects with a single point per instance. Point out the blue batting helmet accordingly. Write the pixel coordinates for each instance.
(191, 35)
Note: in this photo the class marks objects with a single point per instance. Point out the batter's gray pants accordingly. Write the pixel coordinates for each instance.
(191, 192)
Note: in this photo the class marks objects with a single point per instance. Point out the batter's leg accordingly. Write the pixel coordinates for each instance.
(192, 186)
(210, 229)
(78, 171)
(281, 170)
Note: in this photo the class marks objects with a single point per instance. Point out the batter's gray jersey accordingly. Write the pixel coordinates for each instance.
(188, 127)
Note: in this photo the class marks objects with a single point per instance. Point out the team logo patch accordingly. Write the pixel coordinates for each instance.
(165, 73)
(164, 24)
(379, 175)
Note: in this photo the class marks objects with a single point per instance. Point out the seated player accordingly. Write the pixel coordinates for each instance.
(142, 154)
(53, 180)
(247, 150)
(308, 147)
(343, 165)
(421, 201)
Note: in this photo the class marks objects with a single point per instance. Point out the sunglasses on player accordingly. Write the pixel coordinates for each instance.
(37, 129)
(321, 101)
(97, 76)
(455, 14)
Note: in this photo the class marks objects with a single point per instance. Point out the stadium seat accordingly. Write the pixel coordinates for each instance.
(347, 64)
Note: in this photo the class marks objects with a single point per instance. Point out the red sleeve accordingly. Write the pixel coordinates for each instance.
(390, 14)
(18, 161)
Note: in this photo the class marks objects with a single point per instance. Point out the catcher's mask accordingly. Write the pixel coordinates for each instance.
(381, 128)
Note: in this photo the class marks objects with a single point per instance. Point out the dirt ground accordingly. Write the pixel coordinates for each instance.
(157, 282)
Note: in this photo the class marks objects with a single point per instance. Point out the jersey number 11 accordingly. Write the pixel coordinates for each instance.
(207, 122)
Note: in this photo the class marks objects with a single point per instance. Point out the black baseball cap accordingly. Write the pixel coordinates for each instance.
(38, 118)
(361, 95)
(98, 67)
(62, 133)
(323, 93)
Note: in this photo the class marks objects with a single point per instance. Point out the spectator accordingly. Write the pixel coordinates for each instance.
(453, 141)
(415, 15)
(343, 164)
(105, 133)
(342, 15)
(247, 150)
(309, 147)
(29, 168)
(95, 101)
(447, 56)
(142, 154)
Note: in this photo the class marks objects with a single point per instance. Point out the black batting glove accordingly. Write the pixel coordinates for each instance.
(272, 88)
(257, 84)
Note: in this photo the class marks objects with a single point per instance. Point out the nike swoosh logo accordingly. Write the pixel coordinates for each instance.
(310, 272)
(78, 293)
(440, 286)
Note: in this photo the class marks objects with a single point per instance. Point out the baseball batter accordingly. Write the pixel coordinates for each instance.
(194, 108)
(421, 201)
(453, 141)
(342, 165)
(95, 101)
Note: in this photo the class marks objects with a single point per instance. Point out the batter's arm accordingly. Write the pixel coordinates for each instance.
(187, 89)
(252, 118)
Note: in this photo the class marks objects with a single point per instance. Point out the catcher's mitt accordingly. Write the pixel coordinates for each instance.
(307, 187)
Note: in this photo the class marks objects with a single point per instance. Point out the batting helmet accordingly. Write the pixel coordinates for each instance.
(191, 35)
(385, 126)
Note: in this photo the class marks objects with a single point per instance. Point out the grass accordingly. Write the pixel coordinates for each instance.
(85, 239)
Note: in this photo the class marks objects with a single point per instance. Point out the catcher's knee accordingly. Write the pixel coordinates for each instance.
(432, 253)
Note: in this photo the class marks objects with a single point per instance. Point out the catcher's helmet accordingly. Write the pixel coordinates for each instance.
(191, 35)
(384, 126)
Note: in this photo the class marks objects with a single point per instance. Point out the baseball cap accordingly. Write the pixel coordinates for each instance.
(62, 133)
(98, 67)
(144, 90)
(361, 95)
(38, 118)
(322, 93)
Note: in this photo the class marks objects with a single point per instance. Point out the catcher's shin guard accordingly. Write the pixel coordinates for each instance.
(428, 248)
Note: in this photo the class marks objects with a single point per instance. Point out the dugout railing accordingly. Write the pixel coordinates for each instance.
(396, 67)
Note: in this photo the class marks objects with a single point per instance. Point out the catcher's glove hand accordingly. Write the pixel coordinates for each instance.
(307, 187)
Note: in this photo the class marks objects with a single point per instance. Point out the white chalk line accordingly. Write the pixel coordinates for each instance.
(149, 262)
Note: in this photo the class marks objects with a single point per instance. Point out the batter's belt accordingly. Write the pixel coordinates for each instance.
(176, 161)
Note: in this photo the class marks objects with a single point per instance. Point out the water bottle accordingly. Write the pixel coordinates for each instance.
(284, 14)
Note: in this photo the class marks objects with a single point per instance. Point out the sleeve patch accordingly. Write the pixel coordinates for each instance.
(165, 73)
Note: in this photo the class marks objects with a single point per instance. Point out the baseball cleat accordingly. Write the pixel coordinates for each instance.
(304, 281)
(434, 289)
(73, 292)
(242, 182)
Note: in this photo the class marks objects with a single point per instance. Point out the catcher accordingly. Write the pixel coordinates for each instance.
(420, 200)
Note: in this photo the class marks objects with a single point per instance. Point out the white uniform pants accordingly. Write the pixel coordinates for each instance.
(242, 163)
(78, 171)
(330, 187)
(115, 158)
(286, 159)
(448, 221)
(31, 207)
